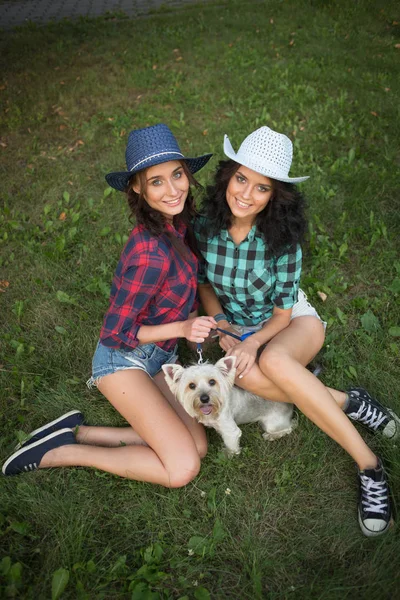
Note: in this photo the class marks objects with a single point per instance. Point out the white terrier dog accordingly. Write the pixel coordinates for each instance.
(207, 392)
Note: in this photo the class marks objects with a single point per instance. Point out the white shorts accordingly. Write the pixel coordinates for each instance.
(302, 308)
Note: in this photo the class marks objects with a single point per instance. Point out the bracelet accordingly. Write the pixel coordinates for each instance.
(220, 317)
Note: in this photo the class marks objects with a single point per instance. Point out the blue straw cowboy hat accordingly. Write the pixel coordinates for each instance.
(267, 152)
(148, 147)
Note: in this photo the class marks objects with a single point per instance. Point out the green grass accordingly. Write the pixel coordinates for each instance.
(69, 95)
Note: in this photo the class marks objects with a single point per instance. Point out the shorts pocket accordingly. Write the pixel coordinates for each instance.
(142, 352)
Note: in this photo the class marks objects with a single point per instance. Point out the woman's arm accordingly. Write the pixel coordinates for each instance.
(194, 330)
(212, 306)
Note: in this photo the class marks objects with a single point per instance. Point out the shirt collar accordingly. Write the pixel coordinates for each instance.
(180, 229)
(224, 235)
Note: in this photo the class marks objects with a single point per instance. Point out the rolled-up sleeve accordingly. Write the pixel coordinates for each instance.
(287, 273)
(140, 281)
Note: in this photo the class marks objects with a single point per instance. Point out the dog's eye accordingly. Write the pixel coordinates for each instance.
(192, 386)
(212, 382)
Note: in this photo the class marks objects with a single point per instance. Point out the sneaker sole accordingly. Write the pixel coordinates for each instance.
(14, 455)
(47, 426)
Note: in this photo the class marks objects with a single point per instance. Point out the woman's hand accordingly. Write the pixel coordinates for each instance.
(227, 341)
(197, 329)
(246, 354)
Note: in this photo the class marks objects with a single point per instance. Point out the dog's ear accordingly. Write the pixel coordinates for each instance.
(172, 373)
(227, 367)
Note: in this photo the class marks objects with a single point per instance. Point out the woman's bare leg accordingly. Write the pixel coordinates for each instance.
(127, 436)
(282, 363)
(171, 457)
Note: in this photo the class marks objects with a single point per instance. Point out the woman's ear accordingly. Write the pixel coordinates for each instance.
(136, 187)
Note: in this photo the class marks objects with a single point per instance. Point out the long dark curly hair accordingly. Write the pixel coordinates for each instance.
(282, 223)
(154, 221)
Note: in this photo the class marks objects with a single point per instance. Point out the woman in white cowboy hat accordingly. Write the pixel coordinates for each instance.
(249, 235)
(152, 297)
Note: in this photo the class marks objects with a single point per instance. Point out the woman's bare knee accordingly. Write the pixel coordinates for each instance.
(273, 362)
(182, 474)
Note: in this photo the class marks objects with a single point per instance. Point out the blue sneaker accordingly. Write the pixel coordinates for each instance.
(28, 458)
(70, 420)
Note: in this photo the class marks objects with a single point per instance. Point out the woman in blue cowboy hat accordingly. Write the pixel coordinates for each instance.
(152, 304)
(249, 236)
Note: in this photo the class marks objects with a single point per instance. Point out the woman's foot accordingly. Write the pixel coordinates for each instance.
(70, 420)
(374, 510)
(28, 457)
(364, 409)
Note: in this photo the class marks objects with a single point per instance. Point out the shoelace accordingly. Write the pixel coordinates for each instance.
(374, 494)
(369, 415)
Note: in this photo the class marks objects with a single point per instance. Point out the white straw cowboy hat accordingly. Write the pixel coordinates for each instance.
(267, 152)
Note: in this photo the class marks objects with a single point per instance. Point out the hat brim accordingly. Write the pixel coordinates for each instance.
(119, 179)
(230, 153)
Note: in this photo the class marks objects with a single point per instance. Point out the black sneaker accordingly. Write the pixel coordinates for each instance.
(28, 458)
(70, 420)
(369, 412)
(374, 512)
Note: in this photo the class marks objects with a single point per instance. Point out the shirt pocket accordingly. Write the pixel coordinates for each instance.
(260, 284)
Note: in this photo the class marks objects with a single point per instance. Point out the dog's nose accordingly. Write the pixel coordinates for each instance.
(204, 398)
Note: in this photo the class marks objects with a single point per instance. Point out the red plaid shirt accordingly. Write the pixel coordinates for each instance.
(152, 285)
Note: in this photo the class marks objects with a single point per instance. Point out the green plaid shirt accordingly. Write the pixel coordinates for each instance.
(247, 284)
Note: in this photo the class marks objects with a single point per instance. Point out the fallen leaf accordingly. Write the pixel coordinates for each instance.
(4, 284)
(62, 82)
(154, 67)
(176, 50)
(230, 45)
(374, 113)
(291, 43)
(122, 132)
(77, 79)
(397, 45)
(3, 145)
(178, 58)
(62, 216)
(62, 127)
(322, 295)
(271, 21)
(205, 132)
(70, 183)
(3, 87)
(110, 119)
(387, 89)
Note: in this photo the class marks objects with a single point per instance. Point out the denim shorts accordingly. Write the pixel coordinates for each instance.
(302, 308)
(146, 357)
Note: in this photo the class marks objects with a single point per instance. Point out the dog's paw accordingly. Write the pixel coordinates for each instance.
(271, 436)
(229, 453)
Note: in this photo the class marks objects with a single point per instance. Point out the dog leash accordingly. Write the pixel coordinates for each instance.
(241, 338)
